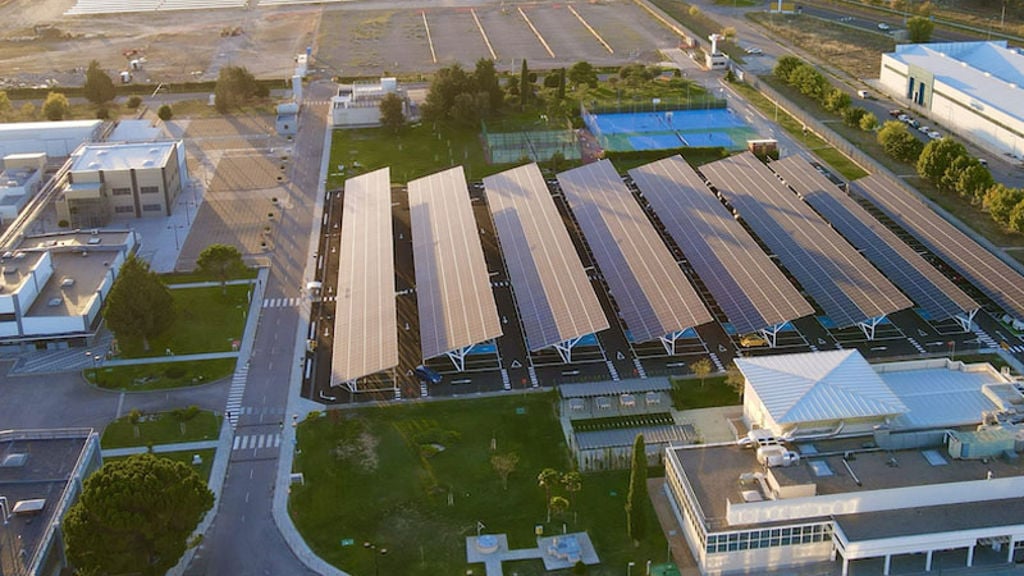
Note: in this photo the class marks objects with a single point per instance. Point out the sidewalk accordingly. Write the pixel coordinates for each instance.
(181, 358)
(161, 448)
(211, 284)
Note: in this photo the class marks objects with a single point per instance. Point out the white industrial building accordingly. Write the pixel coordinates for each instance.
(889, 469)
(358, 105)
(53, 286)
(20, 180)
(975, 89)
(55, 139)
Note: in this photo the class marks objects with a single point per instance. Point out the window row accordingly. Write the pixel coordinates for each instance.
(769, 538)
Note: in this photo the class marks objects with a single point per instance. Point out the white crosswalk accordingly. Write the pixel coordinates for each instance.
(281, 302)
(612, 370)
(917, 346)
(256, 441)
(639, 368)
(236, 393)
(1017, 349)
(717, 362)
(505, 380)
(984, 338)
(533, 376)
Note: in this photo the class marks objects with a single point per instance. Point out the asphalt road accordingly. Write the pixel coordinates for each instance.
(244, 538)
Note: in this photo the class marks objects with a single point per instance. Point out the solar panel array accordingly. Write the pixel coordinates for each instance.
(453, 292)
(834, 274)
(996, 279)
(918, 279)
(752, 291)
(555, 298)
(365, 320)
(654, 297)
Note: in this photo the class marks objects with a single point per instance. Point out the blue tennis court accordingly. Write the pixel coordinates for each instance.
(712, 127)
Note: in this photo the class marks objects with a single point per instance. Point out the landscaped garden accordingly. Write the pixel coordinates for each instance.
(690, 393)
(182, 425)
(160, 375)
(418, 478)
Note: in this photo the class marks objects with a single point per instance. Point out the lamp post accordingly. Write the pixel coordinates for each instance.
(177, 243)
(377, 553)
(95, 366)
(629, 568)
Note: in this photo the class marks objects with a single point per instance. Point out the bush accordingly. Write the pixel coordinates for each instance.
(165, 113)
(102, 114)
(134, 102)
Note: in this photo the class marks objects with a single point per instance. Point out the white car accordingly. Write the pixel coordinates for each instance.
(754, 51)
(934, 135)
(883, 26)
(903, 118)
(924, 129)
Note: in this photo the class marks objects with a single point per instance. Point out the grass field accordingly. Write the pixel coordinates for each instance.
(207, 321)
(688, 393)
(162, 428)
(185, 457)
(161, 375)
(375, 474)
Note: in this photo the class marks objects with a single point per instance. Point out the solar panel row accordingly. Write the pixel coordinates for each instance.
(453, 293)
(752, 291)
(555, 299)
(654, 297)
(1000, 282)
(918, 279)
(365, 322)
(847, 287)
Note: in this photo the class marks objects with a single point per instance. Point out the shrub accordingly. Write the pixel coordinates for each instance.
(165, 113)
(134, 102)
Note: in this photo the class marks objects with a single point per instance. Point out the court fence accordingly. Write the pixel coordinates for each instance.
(504, 144)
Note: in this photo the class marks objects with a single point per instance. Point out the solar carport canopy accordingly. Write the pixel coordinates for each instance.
(751, 290)
(653, 295)
(365, 321)
(996, 279)
(837, 277)
(555, 298)
(918, 279)
(453, 291)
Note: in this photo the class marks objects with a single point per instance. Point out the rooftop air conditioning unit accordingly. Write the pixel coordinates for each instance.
(67, 282)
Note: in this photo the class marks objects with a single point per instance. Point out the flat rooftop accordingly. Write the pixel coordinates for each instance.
(949, 517)
(15, 268)
(45, 474)
(123, 156)
(15, 178)
(714, 471)
(939, 397)
(60, 298)
(71, 240)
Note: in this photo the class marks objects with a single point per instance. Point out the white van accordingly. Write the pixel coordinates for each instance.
(864, 94)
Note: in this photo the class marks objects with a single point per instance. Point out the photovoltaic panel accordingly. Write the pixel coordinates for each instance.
(453, 291)
(918, 279)
(365, 319)
(849, 290)
(996, 279)
(750, 288)
(556, 301)
(653, 295)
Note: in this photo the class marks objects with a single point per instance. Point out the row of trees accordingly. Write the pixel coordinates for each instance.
(464, 97)
(813, 84)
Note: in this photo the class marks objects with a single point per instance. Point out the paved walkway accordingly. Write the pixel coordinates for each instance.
(210, 284)
(173, 358)
(161, 448)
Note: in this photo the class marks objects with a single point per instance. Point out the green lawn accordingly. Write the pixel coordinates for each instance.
(186, 457)
(161, 375)
(162, 428)
(369, 478)
(688, 393)
(207, 321)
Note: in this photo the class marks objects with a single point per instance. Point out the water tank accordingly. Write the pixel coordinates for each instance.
(389, 84)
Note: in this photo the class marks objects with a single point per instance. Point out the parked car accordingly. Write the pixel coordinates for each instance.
(913, 123)
(935, 135)
(884, 27)
(427, 375)
(864, 94)
(896, 113)
(924, 129)
(903, 118)
(754, 51)
(982, 161)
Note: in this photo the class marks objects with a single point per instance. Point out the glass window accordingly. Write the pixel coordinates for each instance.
(149, 189)
(152, 207)
(124, 209)
(121, 191)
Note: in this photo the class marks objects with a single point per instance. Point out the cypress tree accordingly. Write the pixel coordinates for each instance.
(636, 500)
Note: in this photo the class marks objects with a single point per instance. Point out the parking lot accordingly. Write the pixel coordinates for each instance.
(608, 355)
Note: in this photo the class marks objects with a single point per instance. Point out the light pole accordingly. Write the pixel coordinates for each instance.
(177, 243)
(629, 568)
(377, 553)
(95, 366)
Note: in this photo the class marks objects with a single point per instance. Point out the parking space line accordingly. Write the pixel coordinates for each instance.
(535, 31)
(433, 55)
(591, 29)
(487, 41)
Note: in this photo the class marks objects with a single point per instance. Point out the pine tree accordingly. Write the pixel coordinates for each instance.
(636, 500)
(524, 85)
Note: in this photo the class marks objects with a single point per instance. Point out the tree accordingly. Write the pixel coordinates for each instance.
(809, 82)
(236, 87)
(6, 108)
(560, 93)
(524, 85)
(898, 142)
(919, 29)
(785, 67)
(701, 368)
(951, 175)
(734, 379)
(222, 262)
(636, 499)
(139, 305)
(135, 416)
(558, 505)
(392, 115)
(548, 479)
(505, 465)
(868, 122)
(573, 483)
(468, 108)
(485, 79)
(135, 516)
(27, 110)
(936, 156)
(1016, 220)
(99, 88)
(852, 116)
(165, 112)
(184, 415)
(582, 73)
(448, 83)
(134, 101)
(1000, 200)
(974, 181)
(836, 100)
(56, 106)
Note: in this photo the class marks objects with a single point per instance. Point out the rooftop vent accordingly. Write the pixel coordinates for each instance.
(19, 255)
(102, 152)
(94, 164)
(54, 302)
(820, 468)
(14, 460)
(67, 282)
(154, 150)
(148, 162)
(27, 507)
(94, 240)
(10, 270)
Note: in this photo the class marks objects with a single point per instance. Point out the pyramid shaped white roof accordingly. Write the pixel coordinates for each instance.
(819, 386)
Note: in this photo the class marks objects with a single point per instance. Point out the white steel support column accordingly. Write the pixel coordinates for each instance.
(669, 342)
(928, 562)
(350, 385)
(458, 357)
(970, 555)
(846, 566)
(565, 347)
(887, 565)
(1009, 553)
(966, 320)
(868, 326)
(771, 333)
